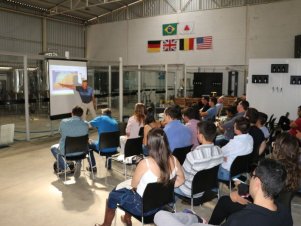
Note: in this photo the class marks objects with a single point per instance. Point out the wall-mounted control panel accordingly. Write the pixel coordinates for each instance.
(295, 80)
(279, 68)
(263, 79)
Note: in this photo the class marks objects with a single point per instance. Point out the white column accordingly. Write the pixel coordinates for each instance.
(110, 87)
(120, 89)
(166, 87)
(185, 81)
(26, 98)
(139, 84)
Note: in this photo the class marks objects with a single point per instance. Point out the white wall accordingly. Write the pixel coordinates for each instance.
(128, 39)
(259, 31)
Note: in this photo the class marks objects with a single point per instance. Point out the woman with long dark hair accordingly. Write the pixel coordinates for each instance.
(159, 166)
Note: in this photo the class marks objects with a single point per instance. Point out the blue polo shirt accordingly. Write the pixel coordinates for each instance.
(85, 94)
(212, 112)
(104, 124)
(71, 127)
(178, 135)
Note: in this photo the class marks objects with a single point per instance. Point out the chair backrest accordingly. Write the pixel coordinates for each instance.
(180, 153)
(241, 164)
(157, 195)
(141, 131)
(109, 140)
(133, 146)
(77, 144)
(285, 198)
(122, 127)
(205, 180)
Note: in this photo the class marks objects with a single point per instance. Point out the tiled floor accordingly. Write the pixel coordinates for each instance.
(31, 194)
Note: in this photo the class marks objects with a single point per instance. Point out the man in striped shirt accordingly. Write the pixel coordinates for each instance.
(204, 156)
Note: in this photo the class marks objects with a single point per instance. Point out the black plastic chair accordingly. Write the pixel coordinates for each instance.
(133, 147)
(109, 140)
(205, 181)
(180, 153)
(155, 196)
(240, 165)
(76, 148)
(285, 198)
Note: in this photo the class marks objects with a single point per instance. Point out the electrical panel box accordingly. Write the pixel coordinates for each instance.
(295, 80)
(279, 68)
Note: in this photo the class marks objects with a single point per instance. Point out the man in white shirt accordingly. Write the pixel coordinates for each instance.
(241, 144)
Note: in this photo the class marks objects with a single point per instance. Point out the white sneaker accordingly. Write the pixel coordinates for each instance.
(77, 170)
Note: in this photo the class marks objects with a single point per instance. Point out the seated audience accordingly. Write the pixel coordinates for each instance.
(159, 166)
(104, 123)
(266, 183)
(205, 103)
(227, 127)
(191, 123)
(296, 125)
(133, 125)
(220, 105)
(262, 119)
(71, 127)
(149, 123)
(286, 151)
(204, 156)
(241, 144)
(211, 113)
(177, 134)
(257, 135)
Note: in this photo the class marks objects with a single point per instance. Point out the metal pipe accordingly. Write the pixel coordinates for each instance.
(120, 89)
(26, 98)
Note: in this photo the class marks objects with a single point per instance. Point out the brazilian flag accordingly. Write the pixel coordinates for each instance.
(169, 29)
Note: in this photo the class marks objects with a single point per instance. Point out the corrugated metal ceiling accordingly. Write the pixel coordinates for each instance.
(101, 11)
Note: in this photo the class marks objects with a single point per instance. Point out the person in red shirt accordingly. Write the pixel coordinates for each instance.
(296, 125)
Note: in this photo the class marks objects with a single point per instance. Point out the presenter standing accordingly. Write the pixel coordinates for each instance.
(87, 96)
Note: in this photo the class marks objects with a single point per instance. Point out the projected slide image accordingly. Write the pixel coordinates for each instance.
(64, 77)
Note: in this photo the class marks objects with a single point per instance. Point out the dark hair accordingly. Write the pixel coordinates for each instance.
(206, 98)
(213, 99)
(252, 115)
(106, 111)
(244, 104)
(262, 118)
(77, 111)
(272, 175)
(232, 110)
(159, 150)
(173, 112)
(242, 124)
(150, 116)
(286, 150)
(208, 129)
(189, 112)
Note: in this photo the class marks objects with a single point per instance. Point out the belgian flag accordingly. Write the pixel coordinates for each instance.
(186, 43)
(153, 46)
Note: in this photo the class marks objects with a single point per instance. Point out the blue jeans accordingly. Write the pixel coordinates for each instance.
(129, 200)
(145, 150)
(223, 174)
(56, 153)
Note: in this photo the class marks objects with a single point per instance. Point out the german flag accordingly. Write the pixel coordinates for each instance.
(186, 43)
(153, 46)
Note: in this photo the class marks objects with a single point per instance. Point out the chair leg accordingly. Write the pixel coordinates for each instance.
(90, 163)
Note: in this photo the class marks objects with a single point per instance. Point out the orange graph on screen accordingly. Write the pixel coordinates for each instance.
(64, 77)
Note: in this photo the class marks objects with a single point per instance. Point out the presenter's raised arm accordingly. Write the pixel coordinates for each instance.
(69, 86)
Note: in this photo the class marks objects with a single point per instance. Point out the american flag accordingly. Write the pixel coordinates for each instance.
(170, 45)
(204, 42)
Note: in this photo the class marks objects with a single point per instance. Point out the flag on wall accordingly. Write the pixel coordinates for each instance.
(186, 43)
(169, 29)
(170, 45)
(186, 28)
(204, 42)
(153, 46)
